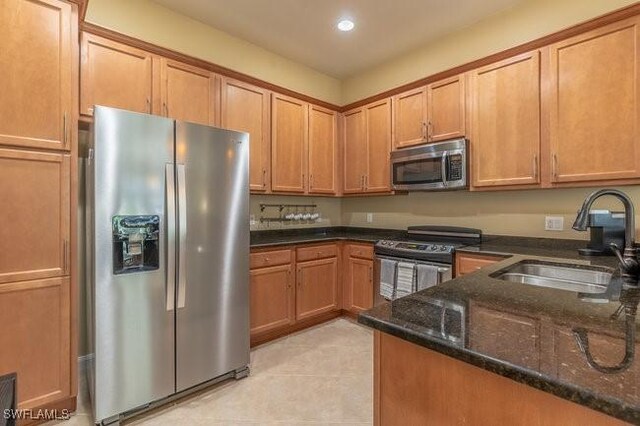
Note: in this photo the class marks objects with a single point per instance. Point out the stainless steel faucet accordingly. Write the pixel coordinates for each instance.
(629, 266)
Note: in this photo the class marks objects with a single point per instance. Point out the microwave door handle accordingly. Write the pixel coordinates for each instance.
(443, 168)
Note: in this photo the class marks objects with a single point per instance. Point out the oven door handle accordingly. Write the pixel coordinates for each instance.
(442, 267)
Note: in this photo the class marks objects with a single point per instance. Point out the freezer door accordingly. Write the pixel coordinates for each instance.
(212, 307)
(131, 296)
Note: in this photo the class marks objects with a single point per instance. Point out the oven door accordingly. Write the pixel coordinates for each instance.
(444, 274)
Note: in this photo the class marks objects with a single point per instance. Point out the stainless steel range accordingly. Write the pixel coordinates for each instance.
(422, 259)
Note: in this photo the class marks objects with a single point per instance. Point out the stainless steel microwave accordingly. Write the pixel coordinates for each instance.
(435, 166)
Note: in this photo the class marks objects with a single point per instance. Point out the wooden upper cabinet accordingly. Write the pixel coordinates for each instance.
(505, 122)
(37, 66)
(446, 109)
(34, 240)
(246, 108)
(289, 132)
(378, 178)
(355, 150)
(323, 150)
(410, 118)
(317, 290)
(115, 75)
(593, 102)
(189, 93)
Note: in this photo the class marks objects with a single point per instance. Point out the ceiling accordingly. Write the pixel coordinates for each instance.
(304, 30)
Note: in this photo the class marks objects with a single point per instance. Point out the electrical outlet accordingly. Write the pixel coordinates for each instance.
(369, 217)
(553, 223)
(252, 220)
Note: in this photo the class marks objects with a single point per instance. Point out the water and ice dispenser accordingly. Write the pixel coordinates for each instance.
(136, 244)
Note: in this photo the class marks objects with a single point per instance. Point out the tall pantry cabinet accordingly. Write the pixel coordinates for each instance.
(38, 152)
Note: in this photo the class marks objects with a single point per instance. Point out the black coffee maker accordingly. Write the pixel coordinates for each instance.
(605, 227)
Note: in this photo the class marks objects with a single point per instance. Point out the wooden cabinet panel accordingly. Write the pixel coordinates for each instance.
(322, 150)
(355, 151)
(247, 108)
(608, 351)
(505, 122)
(189, 93)
(34, 239)
(358, 284)
(594, 113)
(360, 250)
(378, 177)
(467, 263)
(36, 68)
(36, 318)
(446, 109)
(410, 118)
(114, 75)
(270, 258)
(316, 252)
(317, 290)
(288, 143)
(495, 333)
(271, 298)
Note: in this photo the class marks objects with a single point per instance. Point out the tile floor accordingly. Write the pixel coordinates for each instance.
(319, 376)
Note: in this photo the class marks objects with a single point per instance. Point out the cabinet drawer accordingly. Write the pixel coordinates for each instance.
(468, 263)
(270, 258)
(360, 250)
(316, 252)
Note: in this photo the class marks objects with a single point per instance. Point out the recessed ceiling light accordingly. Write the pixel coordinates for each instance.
(346, 25)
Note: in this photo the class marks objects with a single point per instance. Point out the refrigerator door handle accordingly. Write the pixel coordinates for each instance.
(182, 236)
(170, 192)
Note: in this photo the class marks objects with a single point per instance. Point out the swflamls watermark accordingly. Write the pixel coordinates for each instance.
(42, 414)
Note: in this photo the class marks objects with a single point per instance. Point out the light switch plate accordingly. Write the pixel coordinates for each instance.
(369, 217)
(554, 223)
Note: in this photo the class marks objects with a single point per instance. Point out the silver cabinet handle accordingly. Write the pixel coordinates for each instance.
(64, 130)
(303, 185)
(149, 105)
(443, 168)
(182, 236)
(166, 109)
(264, 178)
(424, 129)
(555, 166)
(535, 166)
(170, 194)
(310, 181)
(429, 130)
(65, 256)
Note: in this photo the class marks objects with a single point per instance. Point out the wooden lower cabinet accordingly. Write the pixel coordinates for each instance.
(358, 278)
(317, 290)
(36, 335)
(466, 263)
(417, 386)
(271, 298)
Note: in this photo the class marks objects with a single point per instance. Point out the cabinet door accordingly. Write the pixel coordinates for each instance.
(446, 109)
(410, 118)
(288, 144)
(378, 178)
(271, 298)
(36, 318)
(114, 75)
(594, 92)
(359, 285)
(36, 68)
(495, 333)
(34, 236)
(355, 151)
(322, 150)
(505, 122)
(189, 93)
(246, 108)
(317, 290)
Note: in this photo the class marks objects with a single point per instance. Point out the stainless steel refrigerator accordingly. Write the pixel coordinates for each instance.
(167, 262)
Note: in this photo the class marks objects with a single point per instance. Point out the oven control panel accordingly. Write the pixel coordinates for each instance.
(420, 247)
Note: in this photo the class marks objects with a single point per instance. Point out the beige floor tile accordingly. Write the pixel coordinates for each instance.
(318, 377)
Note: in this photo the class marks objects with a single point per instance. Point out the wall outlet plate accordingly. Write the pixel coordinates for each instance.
(553, 223)
(369, 217)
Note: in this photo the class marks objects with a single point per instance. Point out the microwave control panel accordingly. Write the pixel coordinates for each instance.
(454, 171)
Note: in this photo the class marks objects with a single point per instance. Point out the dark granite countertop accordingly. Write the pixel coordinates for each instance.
(312, 235)
(526, 332)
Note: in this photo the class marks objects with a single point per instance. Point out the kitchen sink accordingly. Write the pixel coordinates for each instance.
(576, 278)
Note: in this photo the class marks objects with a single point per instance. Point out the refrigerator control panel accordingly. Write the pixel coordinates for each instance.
(136, 244)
